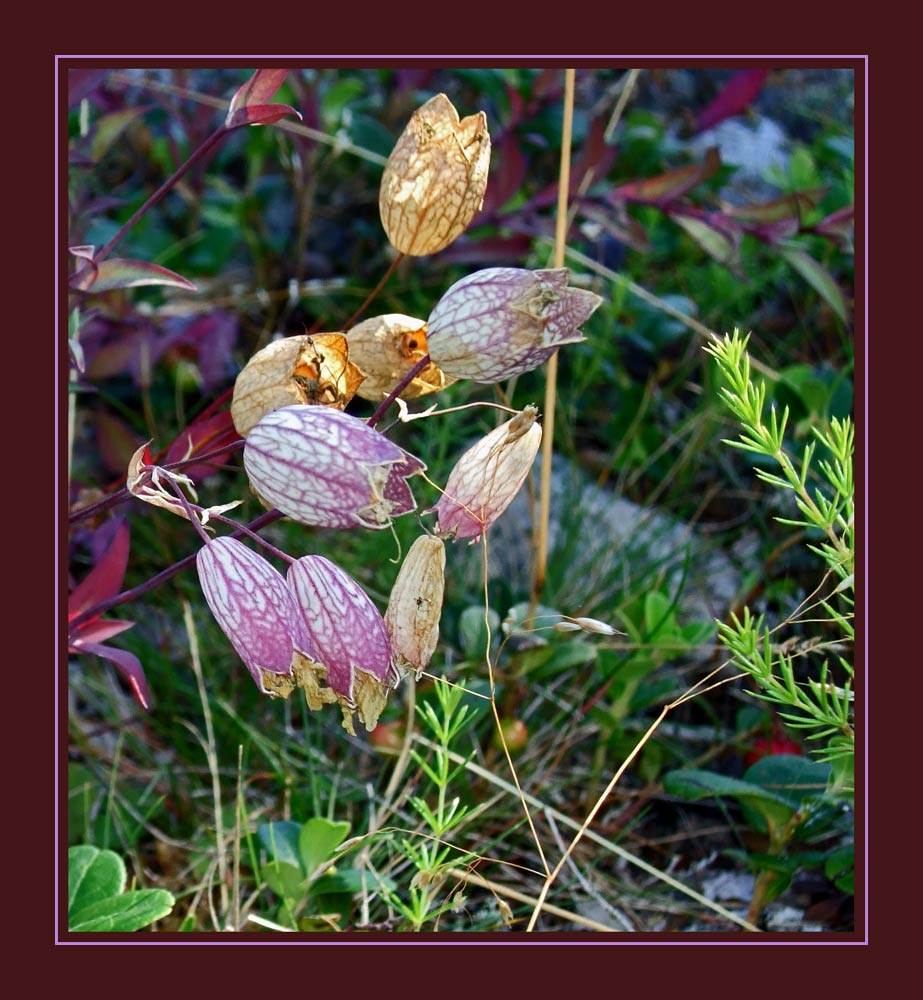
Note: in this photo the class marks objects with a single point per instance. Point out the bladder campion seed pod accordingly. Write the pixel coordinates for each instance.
(487, 477)
(348, 634)
(435, 178)
(503, 321)
(312, 368)
(386, 348)
(255, 609)
(327, 468)
(415, 606)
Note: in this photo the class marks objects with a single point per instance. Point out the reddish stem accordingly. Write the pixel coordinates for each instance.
(155, 581)
(397, 390)
(206, 147)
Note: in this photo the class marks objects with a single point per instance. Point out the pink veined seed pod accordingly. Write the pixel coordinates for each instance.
(327, 468)
(503, 321)
(487, 477)
(345, 628)
(254, 607)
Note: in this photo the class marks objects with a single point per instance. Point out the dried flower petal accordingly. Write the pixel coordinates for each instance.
(503, 321)
(415, 606)
(487, 477)
(435, 178)
(386, 348)
(254, 607)
(349, 634)
(323, 467)
(312, 368)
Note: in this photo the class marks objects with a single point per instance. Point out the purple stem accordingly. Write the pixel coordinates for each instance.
(397, 390)
(206, 146)
(155, 581)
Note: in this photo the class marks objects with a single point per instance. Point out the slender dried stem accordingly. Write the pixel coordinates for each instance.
(541, 547)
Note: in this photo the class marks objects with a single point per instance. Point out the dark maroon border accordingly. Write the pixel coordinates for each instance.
(683, 959)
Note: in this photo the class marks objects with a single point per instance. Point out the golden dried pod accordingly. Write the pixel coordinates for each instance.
(311, 368)
(386, 348)
(435, 178)
(415, 605)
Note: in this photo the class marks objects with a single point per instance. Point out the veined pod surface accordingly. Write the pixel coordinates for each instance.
(435, 178)
(349, 636)
(503, 321)
(308, 369)
(386, 348)
(415, 605)
(254, 607)
(327, 468)
(487, 477)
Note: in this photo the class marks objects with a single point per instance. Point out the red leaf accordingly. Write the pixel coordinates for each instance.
(105, 578)
(838, 226)
(121, 272)
(668, 186)
(736, 96)
(260, 114)
(203, 435)
(259, 89)
(251, 104)
(788, 207)
(82, 82)
(98, 631)
(596, 158)
(128, 665)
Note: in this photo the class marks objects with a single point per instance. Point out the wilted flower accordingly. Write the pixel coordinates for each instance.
(435, 178)
(348, 634)
(386, 348)
(255, 609)
(503, 321)
(487, 477)
(327, 468)
(306, 369)
(415, 605)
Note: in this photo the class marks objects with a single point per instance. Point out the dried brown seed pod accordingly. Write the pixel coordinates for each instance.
(311, 368)
(435, 178)
(415, 606)
(386, 348)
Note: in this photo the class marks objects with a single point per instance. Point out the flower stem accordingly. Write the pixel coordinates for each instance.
(373, 293)
(206, 146)
(397, 390)
(551, 372)
(155, 581)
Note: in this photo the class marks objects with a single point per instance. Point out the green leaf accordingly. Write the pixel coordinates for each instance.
(92, 876)
(790, 777)
(338, 96)
(839, 867)
(714, 242)
(694, 784)
(348, 881)
(128, 912)
(816, 276)
(318, 839)
(285, 880)
(281, 841)
(107, 130)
